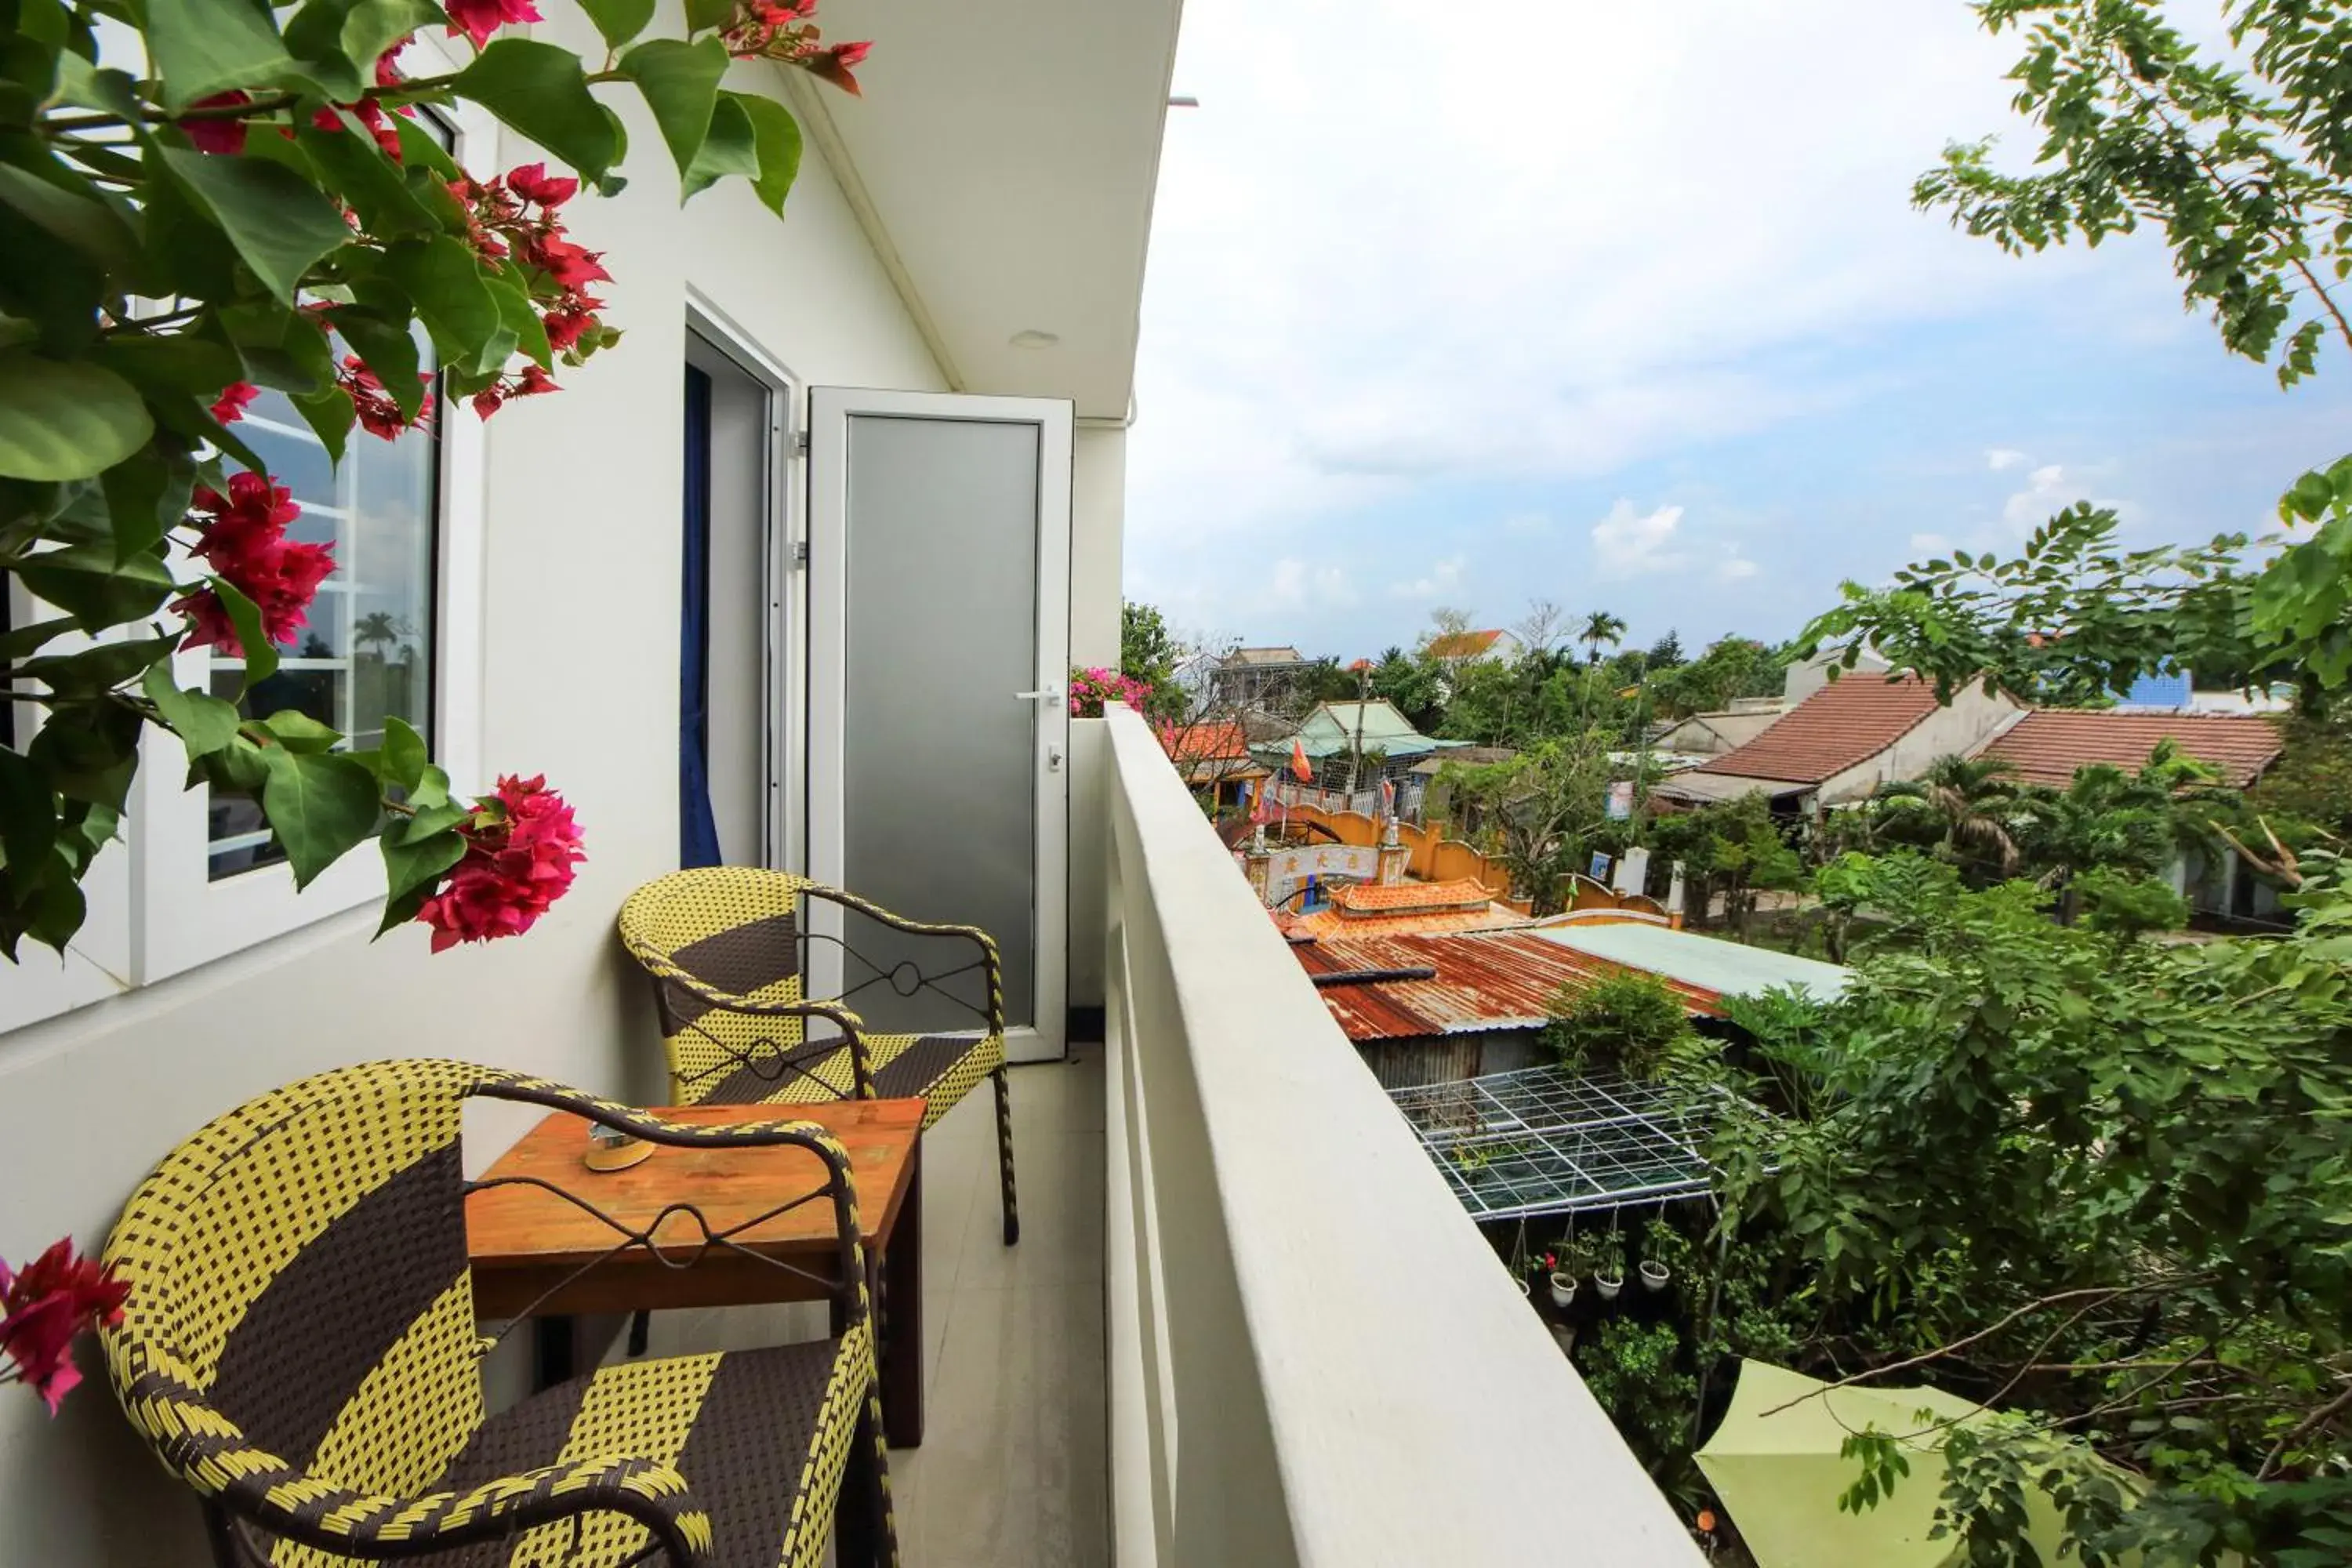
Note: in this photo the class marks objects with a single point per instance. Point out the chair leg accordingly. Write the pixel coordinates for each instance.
(1004, 1157)
(865, 1525)
(640, 1327)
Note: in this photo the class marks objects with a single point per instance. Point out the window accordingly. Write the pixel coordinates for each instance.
(367, 653)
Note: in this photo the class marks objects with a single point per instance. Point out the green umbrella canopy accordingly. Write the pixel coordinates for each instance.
(1780, 1475)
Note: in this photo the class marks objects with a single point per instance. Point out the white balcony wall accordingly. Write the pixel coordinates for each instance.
(1315, 1358)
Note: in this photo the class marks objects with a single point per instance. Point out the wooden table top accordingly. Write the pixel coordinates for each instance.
(521, 1237)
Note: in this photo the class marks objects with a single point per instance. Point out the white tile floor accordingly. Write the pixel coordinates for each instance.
(1013, 1468)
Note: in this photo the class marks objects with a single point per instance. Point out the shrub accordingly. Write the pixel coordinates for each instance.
(1629, 1021)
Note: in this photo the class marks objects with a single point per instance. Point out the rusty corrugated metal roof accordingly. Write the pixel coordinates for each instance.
(1486, 980)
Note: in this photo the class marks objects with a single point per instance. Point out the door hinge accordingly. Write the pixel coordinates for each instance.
(800, 442)
(799, 551)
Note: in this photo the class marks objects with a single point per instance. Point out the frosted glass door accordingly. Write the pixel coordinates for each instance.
(938, 587)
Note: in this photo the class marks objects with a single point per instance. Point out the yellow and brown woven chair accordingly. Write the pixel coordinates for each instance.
(723, 944)
(299, 1348)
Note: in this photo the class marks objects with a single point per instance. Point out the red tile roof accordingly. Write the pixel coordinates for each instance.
(1845, 722)
(1486, 980)
(1464, 644)
(1207, 743)
(1375, 898)
(2047, 745)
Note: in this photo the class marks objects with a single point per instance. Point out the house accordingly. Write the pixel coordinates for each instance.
(1215, 760)
(1369, 908)
(1712, 734)
(1250, 678)
(1358, 745)
(793, 577)
(2047, 745)
(1844, 739)
(1463, 647)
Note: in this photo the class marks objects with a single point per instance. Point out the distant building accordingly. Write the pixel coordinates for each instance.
(1332, 736)
(2047, 745)
(1214, 759)
(1250, 677)
(1844, 738)
(1462, 648)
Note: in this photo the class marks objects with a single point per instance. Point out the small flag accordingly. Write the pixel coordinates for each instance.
(1299, 765)
(1388, 797)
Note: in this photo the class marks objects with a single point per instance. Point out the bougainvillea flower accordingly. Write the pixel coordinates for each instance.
(43, 1311)
(378, 414)
(571, 266)
(477, 20)
(834, 65)
(223, 136)
(231, 405)
(532, 182)
(572, 321)
(244, 545)
(521, 848)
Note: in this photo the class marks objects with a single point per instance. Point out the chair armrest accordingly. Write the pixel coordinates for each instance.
(852, 1026)
(256, 1487)
(991, 964)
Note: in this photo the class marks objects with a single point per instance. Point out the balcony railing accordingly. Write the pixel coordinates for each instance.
(1314, 1356)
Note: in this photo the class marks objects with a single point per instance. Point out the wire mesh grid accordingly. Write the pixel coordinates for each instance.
(1544, 1140)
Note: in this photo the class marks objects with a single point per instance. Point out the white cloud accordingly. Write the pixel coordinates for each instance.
(1735, 569)
(2047, 493)
(1325, 328)
(1443, 577)
(1999, 459)
(1527, 524)
(1930, 544)
(1631, 544)
(1295, 584)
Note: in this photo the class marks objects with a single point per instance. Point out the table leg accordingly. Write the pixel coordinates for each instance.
(553, 1351)
(902, 1322)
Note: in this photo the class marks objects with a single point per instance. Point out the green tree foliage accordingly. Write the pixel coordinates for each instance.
(1411, 684)
(1730, 668)
(1537, 811)
(258, 211)
(1150, 652)
(1966, 806)
(1734, 850)
(1629, 1021)
(2101, 1187)
(2248, 175)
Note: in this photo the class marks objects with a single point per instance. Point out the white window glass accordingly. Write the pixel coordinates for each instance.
(367, 653)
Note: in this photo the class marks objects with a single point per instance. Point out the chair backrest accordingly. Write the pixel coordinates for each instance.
(298, 1268)
(735, 929)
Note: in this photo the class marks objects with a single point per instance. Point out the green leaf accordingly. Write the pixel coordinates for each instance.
(443, 279)
(541, 90)
(146, 494)
(430, 791)
(330, 415)
(65, 421)
(680, 82)
(87, 582)
(779, 138)
(319, 804)
(203, 47)
(84, 221)
(18, 641)
(260, 654)
(522, 323)
(374, 25)
(731, 148)
(404, 757)
(387, 349)
(96, 670)
(417, 863)
(238, 767)
(298, 731)
(378, 189)
(203, 722)
(28, 812)
(619, 20)
(278, 222)
(703, 15)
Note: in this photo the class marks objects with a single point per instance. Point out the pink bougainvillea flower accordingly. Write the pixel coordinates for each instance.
(521, 848)
(834, 65)
(573, 321)
(244, 545)
(224, 136)
(379, 416)
(231, 405)
(532, 182)
(44, 1309)
(477, 20)
(571, 266)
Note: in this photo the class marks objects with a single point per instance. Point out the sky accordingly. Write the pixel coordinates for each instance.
(1626, 307)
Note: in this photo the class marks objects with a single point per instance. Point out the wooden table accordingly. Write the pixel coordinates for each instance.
(527, 1244)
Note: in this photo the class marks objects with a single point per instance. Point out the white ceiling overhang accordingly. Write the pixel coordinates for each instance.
(1003, 158)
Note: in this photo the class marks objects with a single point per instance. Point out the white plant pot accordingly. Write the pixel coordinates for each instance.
(1608, 1288)
(1527, 1286)
(1654, 1275)
(1564, 1336)
(1563, 1290)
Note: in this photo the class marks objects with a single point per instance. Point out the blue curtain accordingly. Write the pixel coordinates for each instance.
(697, 829)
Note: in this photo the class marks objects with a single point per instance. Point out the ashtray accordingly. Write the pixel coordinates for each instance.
(610, 1149)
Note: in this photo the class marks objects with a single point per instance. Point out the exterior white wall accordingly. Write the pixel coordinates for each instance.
(1098, 525)
(580, 681)
(1972, 719)
(1808, 676)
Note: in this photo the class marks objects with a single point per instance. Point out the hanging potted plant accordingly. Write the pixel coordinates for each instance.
(1608, 1266)
(1662, 1246)
(1563, 1280)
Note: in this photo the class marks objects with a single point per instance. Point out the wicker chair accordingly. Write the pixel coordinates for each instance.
(299, 1348)
(723, 946)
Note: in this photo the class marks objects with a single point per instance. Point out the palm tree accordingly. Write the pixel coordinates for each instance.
(1600, 627)
(1971, 801)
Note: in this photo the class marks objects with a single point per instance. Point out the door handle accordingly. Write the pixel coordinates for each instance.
(1050, 694)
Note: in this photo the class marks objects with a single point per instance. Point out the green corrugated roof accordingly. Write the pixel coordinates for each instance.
(1330, 731)
(1726, 968)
